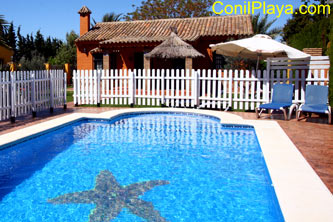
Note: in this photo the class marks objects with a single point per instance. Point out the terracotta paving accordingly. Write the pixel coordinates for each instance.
(313, 136)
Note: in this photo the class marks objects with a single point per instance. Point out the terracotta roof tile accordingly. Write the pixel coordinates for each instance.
(189, 29)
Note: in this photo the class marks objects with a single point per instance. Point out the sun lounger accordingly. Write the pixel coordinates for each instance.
(281, 100)
(316, 101)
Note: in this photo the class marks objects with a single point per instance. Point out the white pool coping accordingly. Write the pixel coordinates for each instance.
(301, 193)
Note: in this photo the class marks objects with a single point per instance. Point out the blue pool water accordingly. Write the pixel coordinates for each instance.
(210, 172)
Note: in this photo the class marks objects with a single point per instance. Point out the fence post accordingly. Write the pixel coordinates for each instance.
(65, 90)
(12, 97)
(163, 88)
(75, 86)
(196, 88)
(132, 88)
(51, 92)
(268, 71)
(230, 90)
(98, 87)
(33, 96)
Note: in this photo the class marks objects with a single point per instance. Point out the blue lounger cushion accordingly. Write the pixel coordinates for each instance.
(316, 94)
(315, 108)
(282, 97)
(275, 105)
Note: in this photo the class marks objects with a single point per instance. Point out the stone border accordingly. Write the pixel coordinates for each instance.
(301, 193)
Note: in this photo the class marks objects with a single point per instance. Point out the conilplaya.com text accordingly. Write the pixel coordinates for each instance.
(253, 7)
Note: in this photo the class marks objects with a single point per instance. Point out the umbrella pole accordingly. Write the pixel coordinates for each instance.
(257, 65)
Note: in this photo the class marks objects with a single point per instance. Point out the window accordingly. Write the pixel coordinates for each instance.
(178, 63)
(138, 60)
(98, 61)
(218, 61)
(113, 61)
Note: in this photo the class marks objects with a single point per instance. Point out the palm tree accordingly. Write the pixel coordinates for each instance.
(262, 26)
(110, 17)
(3, 26)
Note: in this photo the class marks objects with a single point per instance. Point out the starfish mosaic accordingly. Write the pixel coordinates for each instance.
(110, 198)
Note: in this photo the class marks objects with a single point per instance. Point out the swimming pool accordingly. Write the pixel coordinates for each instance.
(197, 170)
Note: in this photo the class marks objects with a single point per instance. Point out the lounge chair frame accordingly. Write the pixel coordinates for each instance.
(316, 95)
(328, 112)
(270, 111)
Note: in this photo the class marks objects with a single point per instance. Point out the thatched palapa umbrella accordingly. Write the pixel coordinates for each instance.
(173, 48)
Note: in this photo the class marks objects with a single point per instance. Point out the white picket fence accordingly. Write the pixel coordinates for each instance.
(26, 92)
(215, 89)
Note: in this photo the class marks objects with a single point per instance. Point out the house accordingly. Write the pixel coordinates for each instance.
(6, 53)
(122, 45)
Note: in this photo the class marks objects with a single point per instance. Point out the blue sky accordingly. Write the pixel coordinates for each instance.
(56, 18)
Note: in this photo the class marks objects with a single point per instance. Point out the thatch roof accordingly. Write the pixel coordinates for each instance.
(174, 48)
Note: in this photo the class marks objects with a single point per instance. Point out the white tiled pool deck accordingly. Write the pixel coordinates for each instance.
(301, 193)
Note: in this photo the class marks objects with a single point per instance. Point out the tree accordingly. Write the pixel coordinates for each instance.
(307, 31)
(295, 25)
(10, 36)
(39, 43)
(25, 45)
(67, 52)
(160, 9)
(19, 44)
(3, 26)
(48, 48)
(51, 46)
(109, 17)
(323, 2)
(30, 48)
(262, 26)
(37, 62)
(313, 35)
(112, 17)
(41, 47)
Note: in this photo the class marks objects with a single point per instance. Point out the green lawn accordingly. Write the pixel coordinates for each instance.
(69, 96)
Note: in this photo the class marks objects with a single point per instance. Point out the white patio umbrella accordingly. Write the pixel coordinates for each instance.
(258, 47)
